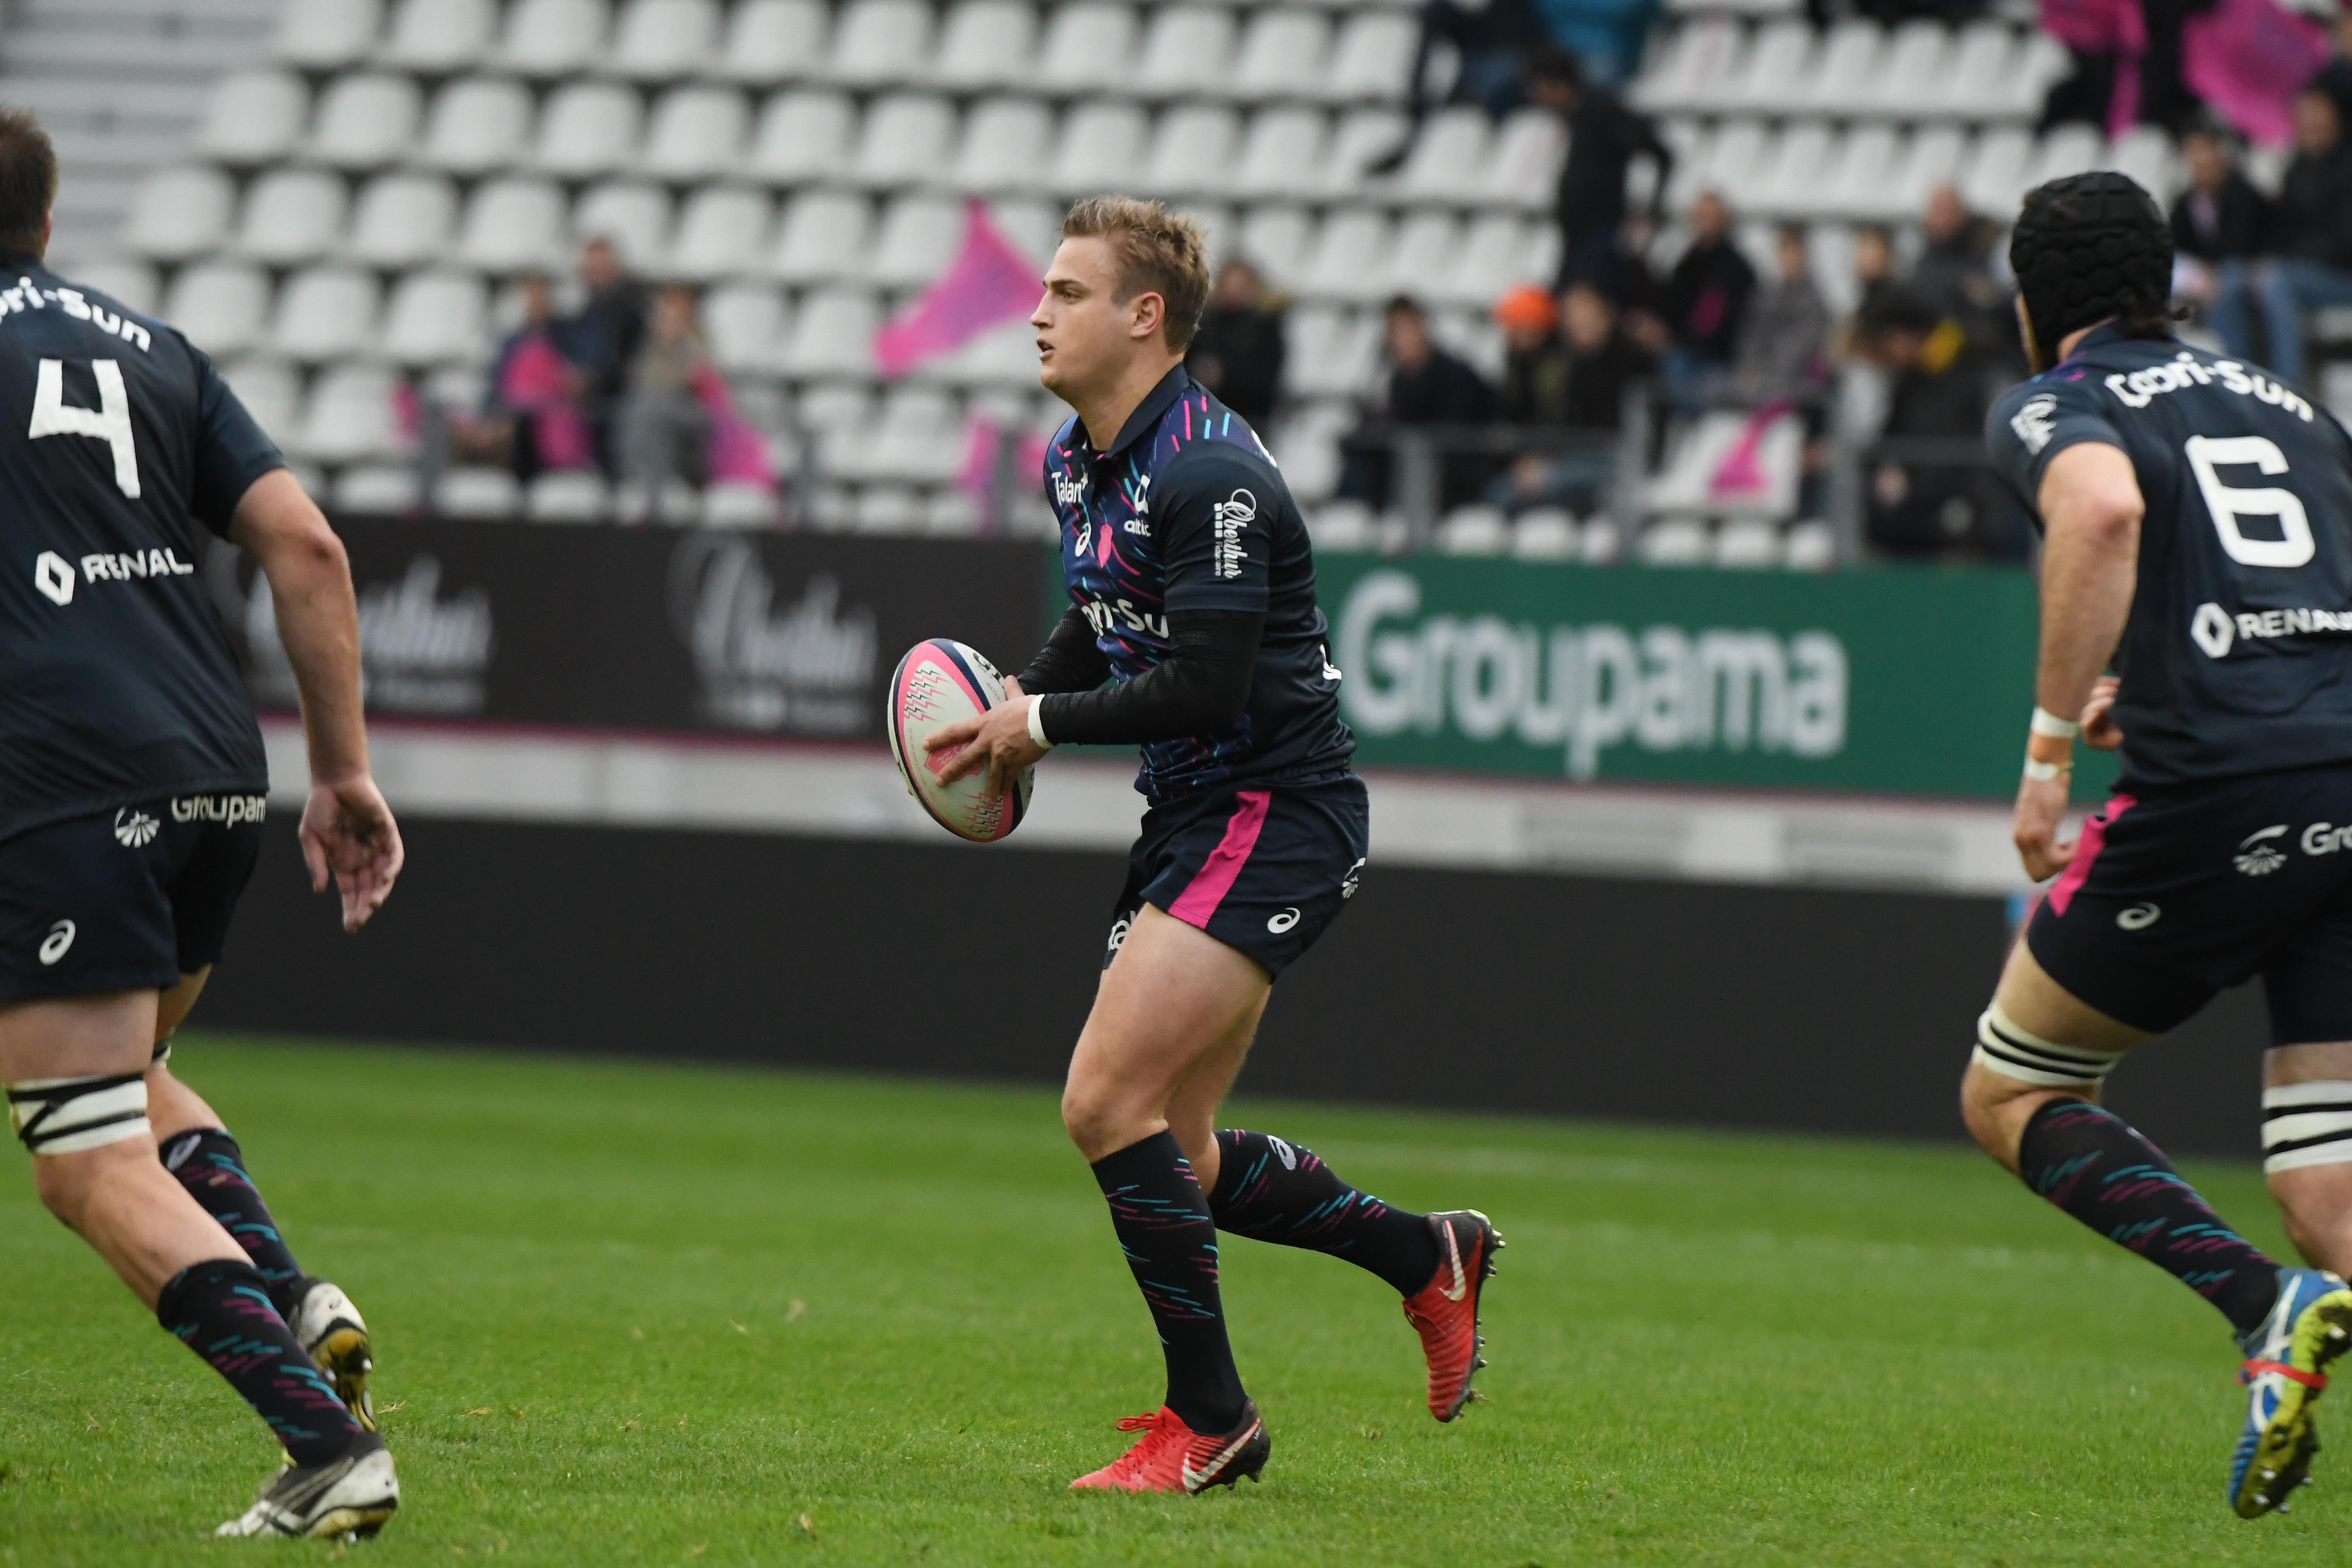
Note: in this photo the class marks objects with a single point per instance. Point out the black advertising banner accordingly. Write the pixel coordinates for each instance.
(641, 628)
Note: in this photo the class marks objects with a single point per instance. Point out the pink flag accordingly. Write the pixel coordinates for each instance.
(988, 282)
(1741, 472)
(735, 452)
(2246, 57)
(536, 381)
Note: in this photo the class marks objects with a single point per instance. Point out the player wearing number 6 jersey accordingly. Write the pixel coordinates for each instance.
(133, 792)
(1193, 632)
(2198, 519)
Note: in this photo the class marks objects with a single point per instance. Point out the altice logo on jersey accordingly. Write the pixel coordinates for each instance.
(1593, 688)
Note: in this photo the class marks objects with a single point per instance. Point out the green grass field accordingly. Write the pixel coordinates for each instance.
(647, 1315)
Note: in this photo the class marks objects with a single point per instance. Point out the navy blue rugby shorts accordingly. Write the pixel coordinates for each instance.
(124, 901)
(1263, 869)
(2176, 894)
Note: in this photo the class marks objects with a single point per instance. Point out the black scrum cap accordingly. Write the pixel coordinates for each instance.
(2086, 247)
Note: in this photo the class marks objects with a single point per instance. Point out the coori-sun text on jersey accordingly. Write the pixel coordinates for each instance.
(1184, 511)
(2237, 655)
(117, 681)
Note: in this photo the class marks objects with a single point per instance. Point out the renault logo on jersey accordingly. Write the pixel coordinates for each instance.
(53, 574)
(2213, 629)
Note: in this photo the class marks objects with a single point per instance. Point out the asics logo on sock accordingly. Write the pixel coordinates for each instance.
(1284, 1152)
(1283, 922)
(1453, 1260)
(54, 945)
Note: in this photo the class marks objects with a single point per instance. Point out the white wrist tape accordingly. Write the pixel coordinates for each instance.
(2004, 1048)
(2045, 723)
(2043, 773)
(1037, 723)
(67, 1115)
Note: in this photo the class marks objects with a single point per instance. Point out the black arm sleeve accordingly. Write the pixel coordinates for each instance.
(1071, 659)
(1199, 687)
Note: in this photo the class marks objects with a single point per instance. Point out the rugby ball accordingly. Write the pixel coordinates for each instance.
(938, 683)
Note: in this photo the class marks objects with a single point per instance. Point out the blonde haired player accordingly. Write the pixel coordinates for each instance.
(1193, 596)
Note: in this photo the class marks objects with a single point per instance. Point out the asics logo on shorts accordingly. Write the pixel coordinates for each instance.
(1283, 922)
(54, 945)
(2139, 917)
(1118, 935)
(229, 809)
(134, 829)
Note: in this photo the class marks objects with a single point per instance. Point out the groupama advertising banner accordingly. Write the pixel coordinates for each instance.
(1911, 680)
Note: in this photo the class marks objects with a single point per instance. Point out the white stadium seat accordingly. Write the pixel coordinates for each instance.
(1363, 135)
(1931, 157)
(179, 212)
(822, 237)
(402, 220)
(1283, 154)
(907, 138)
(322, 34)
(568, 495)
(744, 325)
(1334, 353)
(832, 336)
(2146, 154)
(438, 35)
(802, 135)
(738, 505)
(1769, 74)
(588, 128)
(1446, 157)
(1699, 63)
(1860, 177)
(1032, 228)
(220, 305)
(472, 492)
(1495, 255)
(986, 44)
(512, 225)
(1428, 249)
(553, 37)
(661, 40)
(1919, 57)
(271, 390)
(2072, 149)
(1004, 145)
(351, 416)
(254, 117)
(477, 124)
(129, 283)
(696, 133)
(1982, 61)
(1282, 54)
(919, 237)
(879, 42)
(2041, 62)
(1374, 60)
(325, 313)
(438, 318)
(1102, 147)
(1090, 48)
(290, 216)
(1193, 152)
(1347, 261)
(1275, 240)
(1003, 357)
(1524, 163)
(723, 233)
(378, 489)
(634, 217)
(366, 121)
(1789, 174)
(1187, 51)
(772, 40)
(1842, 81)
(1993, 179)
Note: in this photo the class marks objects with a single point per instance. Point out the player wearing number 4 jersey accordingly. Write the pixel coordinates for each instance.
(132, 793)
(1193, 596)
(2197, 519)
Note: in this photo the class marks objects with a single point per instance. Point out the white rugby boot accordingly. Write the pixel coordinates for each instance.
(352, 1496)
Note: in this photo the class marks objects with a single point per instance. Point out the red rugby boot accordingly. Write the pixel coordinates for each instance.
(1445, 1312)
(1172, 1458)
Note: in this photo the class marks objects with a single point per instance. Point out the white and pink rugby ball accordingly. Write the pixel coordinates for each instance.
(938, 683)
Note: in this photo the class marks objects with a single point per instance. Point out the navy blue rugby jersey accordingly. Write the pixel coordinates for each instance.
(1187, 512)
(117, 679)
(2237, 658)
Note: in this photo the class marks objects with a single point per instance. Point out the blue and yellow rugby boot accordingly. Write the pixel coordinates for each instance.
(2287, 1359)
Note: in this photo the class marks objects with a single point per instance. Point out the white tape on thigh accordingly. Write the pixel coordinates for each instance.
(2004, 1048)
(67, 1115)
(2306, 1124)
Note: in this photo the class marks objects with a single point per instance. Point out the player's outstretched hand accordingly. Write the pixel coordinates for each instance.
(998, 741)
(2041, 807)
(2100, 731)
(348, 832)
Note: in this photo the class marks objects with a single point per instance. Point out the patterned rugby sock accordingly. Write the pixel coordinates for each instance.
(2089, 1162)
(211, 1167)
(219, 1310)
(1269, 1190)
(1170, 1242)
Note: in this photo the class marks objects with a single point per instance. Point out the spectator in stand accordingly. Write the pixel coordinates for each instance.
(2309, 235)
(1874, 278)
(1783, 344)
(1942, 387)
(1426, 385)
(1238, 350)
(531, 419)
(2217, 228)
(2334, 77)
(1489, 42)
(1576, 383)
(1706, 306)
(1607, 37)
(1604, 138)
(665, 426)
(1953, 272)
(603, 340)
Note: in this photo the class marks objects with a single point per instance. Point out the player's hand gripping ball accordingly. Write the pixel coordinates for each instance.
(938, 683)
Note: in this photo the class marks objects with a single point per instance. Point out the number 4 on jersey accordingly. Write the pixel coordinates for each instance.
(110, 422)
